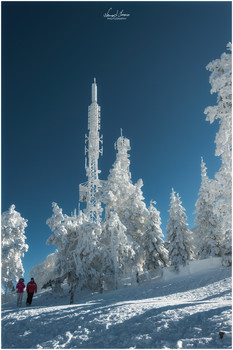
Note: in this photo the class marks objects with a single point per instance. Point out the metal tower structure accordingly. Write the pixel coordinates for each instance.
(122, 145)
(88, 190)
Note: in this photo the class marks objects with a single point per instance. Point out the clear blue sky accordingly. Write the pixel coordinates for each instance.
(152, 82)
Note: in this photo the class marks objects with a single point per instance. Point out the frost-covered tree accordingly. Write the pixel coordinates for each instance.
(179, 237)
(127, 241)
(221, 82)
(57, 224)
(91, 256)
(227, 250)
(124, 198)
(119, 186)
(13, 247)
(45, 271)
(122, 247)
(153, 241)
(209, 238)
(81, 257)
(135, 214)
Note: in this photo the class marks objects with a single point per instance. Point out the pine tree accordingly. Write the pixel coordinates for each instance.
(59, 239)
(45, 271)
(209, 238)
(156, 253)
(121, 247)
(220, 80)
(13, 247)
(178, 235)
(119, 186)
(81, 257)
(227, 249)
(91, 257)
(125, 199)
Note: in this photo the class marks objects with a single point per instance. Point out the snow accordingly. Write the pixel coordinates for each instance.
(13, 247)
(179, 237)
(193, 267)
(221, 83)
(185, 310)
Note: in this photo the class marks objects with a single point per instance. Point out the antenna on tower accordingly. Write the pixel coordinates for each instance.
(88, 190)
(94, 91)
(121, 132)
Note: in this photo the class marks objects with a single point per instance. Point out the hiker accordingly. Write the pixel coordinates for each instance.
(20, 288)
(31, 288)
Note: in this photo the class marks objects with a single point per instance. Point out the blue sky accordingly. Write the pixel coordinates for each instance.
(152, 83)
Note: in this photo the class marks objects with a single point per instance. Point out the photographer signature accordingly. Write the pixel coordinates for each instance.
(117, 15)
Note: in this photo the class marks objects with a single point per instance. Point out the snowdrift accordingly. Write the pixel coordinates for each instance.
(194, 267)
(186, 310)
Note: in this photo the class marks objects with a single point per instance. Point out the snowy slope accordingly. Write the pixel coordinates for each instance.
(185, 311)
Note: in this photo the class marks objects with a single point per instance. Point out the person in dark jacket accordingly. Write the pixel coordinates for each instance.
(31, 289)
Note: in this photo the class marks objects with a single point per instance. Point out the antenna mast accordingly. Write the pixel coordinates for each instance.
(88, 190)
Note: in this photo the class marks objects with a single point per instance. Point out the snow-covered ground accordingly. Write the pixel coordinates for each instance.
(185, 311)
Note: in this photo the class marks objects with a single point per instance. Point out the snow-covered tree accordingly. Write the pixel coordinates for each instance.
(135, 213)
(121, 247)
(153, 241)
(179, 237)
(125, 199)
(227, 250)
(127, 241)
(45, 271)
(13, 247)
(221, 82)
(57, 224)
(92, 259)
(119, 186)
(209, 238)
(81, 257)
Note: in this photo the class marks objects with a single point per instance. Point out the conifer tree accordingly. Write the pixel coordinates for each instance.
(179, 237)
(153, 241)
(209, 238)
(121, 247)
(119, 186)
(13, 247)
(227, 250)
(221, 82)
(81, 257)
(59, 238)
(45, 271)
(125, 199)
(91, 256)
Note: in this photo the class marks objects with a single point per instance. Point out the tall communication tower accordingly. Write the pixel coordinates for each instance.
(88, 190)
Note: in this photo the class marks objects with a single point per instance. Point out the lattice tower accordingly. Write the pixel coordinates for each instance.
(88, 190)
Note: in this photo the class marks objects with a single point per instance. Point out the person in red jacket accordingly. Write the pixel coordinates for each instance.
(31, 289)
(20, 288)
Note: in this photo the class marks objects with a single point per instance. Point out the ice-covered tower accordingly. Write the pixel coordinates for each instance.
(122, 145)
(88, 190)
